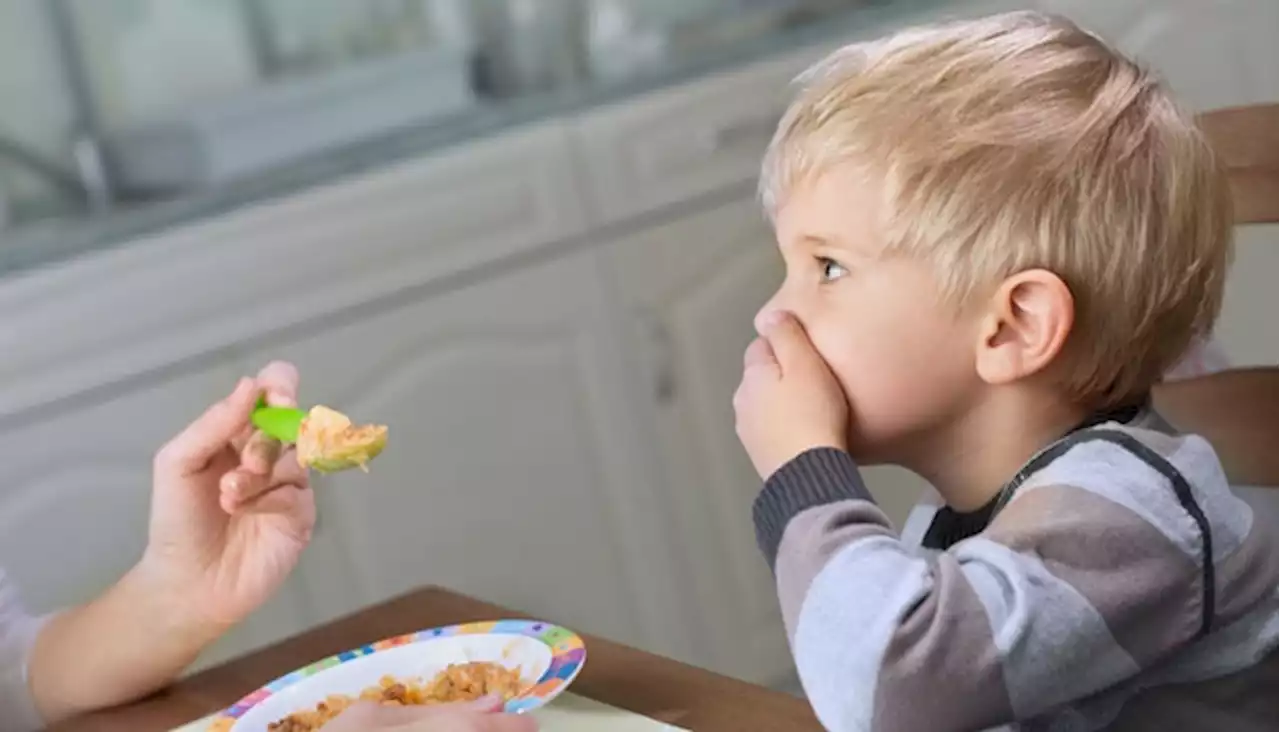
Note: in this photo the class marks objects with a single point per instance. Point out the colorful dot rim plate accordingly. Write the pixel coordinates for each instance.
(548, 655)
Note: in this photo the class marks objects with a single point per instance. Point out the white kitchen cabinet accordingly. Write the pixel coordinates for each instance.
(674, 145)
(219, 282)
(671, 146)
(76, 484)
(508, 472)
(109, 355)
(690, 288)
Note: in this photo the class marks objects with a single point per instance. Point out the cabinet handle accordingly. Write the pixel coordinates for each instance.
(681, 150)
(663, 360)
(758, 129)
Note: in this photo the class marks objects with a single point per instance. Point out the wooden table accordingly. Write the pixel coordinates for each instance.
(615, 674)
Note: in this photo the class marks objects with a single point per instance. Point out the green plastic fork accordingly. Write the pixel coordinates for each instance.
(282, 423)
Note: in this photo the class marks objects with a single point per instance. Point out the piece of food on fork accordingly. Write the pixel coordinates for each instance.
(327, 441)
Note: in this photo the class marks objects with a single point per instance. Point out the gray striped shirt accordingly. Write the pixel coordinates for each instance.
(1122, 586)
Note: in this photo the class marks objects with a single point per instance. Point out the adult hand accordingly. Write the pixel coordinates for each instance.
(788, 401)
(230, 514)
(478, 716)
(231, 510)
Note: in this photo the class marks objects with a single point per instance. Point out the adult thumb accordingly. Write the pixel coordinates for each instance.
(789, 341)
(210, 433)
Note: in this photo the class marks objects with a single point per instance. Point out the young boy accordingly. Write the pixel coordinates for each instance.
(998, 234)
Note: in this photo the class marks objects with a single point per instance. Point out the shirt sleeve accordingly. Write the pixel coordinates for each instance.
(1065, 594)
(18, 631)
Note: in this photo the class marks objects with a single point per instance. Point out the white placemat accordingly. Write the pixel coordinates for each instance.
(568, 713)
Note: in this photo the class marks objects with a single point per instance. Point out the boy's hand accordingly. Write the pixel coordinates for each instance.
(231, 511)
(788, 401)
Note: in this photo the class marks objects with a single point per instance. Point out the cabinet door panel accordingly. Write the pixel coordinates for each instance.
(691, 288)
(76, 491)
(505, 470)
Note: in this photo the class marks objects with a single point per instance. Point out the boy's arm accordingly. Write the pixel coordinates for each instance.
(1065, 594)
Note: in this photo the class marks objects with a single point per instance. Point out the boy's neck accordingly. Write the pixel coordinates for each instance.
(986, 448)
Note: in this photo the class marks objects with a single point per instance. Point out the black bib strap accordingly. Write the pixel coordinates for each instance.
(950, 527)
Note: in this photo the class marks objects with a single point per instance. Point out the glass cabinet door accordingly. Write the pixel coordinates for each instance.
(292, 36)
(148, 58)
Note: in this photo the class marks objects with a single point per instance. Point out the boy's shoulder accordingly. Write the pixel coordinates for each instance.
(1173, 481)
(1123, 505)
(1142, 492)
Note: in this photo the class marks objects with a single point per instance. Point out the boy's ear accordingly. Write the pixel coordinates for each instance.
(1027, 322)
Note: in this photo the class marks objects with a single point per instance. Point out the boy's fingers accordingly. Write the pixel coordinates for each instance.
(210, 433)
(791, 345)
(759, 353)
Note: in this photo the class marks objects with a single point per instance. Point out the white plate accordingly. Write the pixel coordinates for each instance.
(548, 657)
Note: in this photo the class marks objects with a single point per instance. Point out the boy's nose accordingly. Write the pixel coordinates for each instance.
(784, 299)
(761, 315)
(765, 315)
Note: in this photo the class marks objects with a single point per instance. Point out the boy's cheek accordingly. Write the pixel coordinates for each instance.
(862, 385)
(830, 340)
(839, 352)
(855, 367)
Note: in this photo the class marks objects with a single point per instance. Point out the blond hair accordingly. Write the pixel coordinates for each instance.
(1020, 141)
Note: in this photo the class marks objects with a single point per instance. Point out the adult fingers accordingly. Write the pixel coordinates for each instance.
(211, 433)
(241, 486)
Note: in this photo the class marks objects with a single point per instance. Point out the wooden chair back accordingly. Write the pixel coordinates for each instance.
(1245, 138)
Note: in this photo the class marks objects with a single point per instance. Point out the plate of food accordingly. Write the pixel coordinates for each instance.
(526, 662)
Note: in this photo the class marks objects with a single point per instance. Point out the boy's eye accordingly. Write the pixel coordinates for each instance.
(831, 269)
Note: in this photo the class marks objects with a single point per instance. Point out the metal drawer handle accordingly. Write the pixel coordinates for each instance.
(661, 356)
(757, 129)
(680, 149)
